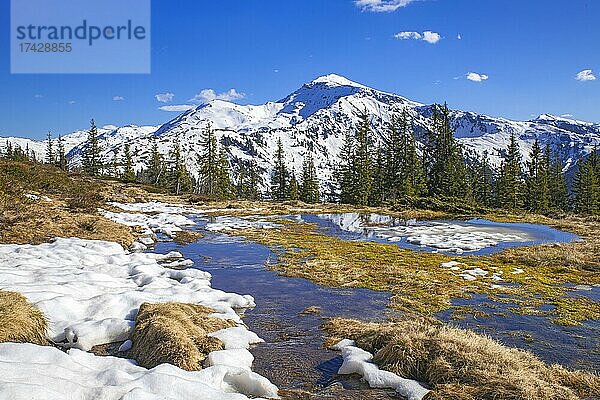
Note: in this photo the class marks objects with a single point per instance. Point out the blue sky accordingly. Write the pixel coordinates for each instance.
(529, 51)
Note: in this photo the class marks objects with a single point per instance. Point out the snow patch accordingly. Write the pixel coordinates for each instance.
(90, 291)
(236, 337)
(155, 207)
(452, 237)
(358, 361)
(166, 223)
(35, 197)
(45, 373)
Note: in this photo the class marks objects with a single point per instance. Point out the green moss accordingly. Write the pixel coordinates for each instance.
(419, 285)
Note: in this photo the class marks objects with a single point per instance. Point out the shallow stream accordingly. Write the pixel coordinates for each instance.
(292, 356)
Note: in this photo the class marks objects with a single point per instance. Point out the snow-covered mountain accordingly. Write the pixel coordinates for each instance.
(315, 119)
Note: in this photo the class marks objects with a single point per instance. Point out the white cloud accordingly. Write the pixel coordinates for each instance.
(566, 115)
(207, 95)
(381, 5)
(408, 35)
(118, 98)
(177, 108)
(431, 37)
(427, 36)
(585, 75)
(71, 102)
(38, 96)
(475, 77)
(459, 37)
(164, 97)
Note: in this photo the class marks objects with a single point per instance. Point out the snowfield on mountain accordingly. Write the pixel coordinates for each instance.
(315, 119)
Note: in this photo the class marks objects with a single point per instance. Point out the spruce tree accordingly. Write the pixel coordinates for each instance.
(128, 174)
(179, 178)
(557, 183)
(9, 150)
(224, 186)
(279, 179)
(509, 186)
(363, 164)
(92, 164)
(294, 188)
(249, 182)
(62, 157)
(346, 171)
(379, 192)
(444, 162)
(586, 185)
(50, 156)
(242, 181)
(309, 188)
(412, 181)
(113, 167)
(403, 172)
(155, 170)
(18, 154)
(536, 182)
(208, 160)
(482, 180)
(393, 172)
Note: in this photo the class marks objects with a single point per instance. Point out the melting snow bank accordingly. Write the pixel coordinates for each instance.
(28, 371)
(358, 361)
(155, 207)
(454, 237)
(153, 217)
(90, 292)
(166, 223)
(158, 207)
(156, 217)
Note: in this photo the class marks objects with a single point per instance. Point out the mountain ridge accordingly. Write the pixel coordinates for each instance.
(314, 118)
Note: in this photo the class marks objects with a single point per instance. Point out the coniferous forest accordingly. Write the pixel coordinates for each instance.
(397, 171)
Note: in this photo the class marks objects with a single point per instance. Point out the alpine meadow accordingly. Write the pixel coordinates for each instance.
(342, 242)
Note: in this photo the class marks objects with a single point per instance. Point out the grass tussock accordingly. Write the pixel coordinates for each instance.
(20, 321)
(461, 365)
(175, 333)
(187, 237)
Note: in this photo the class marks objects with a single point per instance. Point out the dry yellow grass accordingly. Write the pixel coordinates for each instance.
(186, 237)
(462, 365)
(20, 321)
(41, 222)
(175, 333)
(416, 280)
(71, 213)
(583, 255)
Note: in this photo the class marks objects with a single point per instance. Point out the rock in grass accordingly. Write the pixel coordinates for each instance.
(175, 333)
(20, 321)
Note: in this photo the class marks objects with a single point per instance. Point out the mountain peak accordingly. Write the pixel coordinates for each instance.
(336, 80)
(547, 117)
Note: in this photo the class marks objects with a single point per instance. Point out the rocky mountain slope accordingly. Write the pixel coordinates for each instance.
(315, 118)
